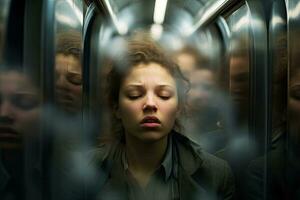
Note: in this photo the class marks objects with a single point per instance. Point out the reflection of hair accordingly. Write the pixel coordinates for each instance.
(69, 43)
(201, 60)
(141, 49)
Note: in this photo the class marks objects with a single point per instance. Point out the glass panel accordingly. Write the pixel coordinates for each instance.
(279, 61)
(237, 151)
(239, 62)
(65, 117)
(291, 158)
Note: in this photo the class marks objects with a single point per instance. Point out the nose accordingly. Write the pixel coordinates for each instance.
(6, 112)
(150, 104)
(61, 82)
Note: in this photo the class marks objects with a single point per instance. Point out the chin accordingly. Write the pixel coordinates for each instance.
(152, 137)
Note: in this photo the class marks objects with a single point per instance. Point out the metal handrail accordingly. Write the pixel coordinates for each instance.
(210, 12)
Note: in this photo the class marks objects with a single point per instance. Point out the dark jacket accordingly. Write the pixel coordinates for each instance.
(201, 175)
(12, 187)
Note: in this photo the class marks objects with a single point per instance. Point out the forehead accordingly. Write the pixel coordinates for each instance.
(15, 82)
(151, 72)
(67, 62)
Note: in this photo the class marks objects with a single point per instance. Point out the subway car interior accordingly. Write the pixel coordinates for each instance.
(224, 69)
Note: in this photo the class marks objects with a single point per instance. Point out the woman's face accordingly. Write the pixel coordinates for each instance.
(148, 102)
(68, 83)
(19, 109)
(294, 109)
(294, 99)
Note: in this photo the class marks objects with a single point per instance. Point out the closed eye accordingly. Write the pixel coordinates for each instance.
(133, 97)
(165, 97)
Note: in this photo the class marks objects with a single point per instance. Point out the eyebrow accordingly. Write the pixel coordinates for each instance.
(142, 85)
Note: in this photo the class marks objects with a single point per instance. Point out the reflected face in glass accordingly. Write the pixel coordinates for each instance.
(187, 63)
(294, 101)
(239, 79)
(239, 87)
(202, 88)
(148, 102)
(19, 109)
(68, 83)
(294, 107)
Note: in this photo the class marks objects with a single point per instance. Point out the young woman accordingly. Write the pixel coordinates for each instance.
(147, 157)
(20, 112)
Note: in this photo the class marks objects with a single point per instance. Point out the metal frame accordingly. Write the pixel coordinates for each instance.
(210, 12)
(88, 71)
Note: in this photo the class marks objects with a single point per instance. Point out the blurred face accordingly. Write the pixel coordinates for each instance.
(187, 63)
(68, 83)
(294, 109)
(148, 103)
(239, 78)
(19, 109)
(239, 86)
(202, 85)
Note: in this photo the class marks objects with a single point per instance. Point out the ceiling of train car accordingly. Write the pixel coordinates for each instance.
(128, 16)
(179, 16)
(192, 6)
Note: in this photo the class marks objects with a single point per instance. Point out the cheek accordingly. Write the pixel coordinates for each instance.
(170, 110)
(28, 122)
(294, 108)
(77, 90)
(129, 110)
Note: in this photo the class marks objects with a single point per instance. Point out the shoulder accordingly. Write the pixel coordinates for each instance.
(209, 171)
(104, 152)
(188, 148)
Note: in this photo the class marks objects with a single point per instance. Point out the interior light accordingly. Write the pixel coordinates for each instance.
(156, 31)
(159, 11)
(122, 28)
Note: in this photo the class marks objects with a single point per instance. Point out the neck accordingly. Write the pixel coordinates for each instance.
(144, 158)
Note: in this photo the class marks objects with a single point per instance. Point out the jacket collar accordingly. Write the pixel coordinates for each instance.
(190, 163)
(189, 153)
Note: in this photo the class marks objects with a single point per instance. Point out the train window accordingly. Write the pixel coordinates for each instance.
(239, 65)
(242, 146)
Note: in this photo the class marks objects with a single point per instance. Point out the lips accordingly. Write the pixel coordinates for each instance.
(150, 119)
(150, 122)
(8, 133)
